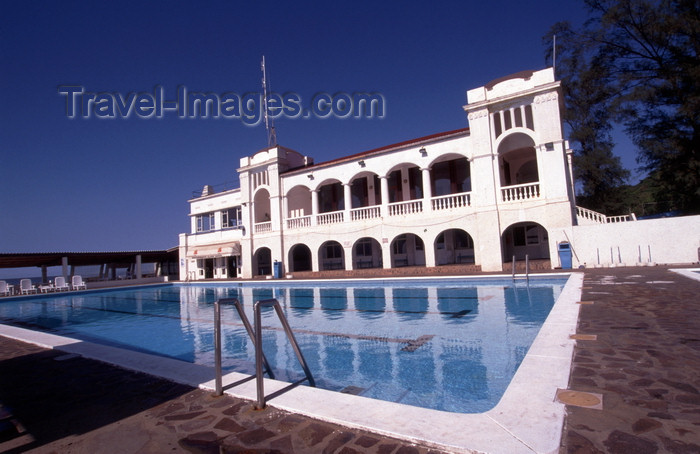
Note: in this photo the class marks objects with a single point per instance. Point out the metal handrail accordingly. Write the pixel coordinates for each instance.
(259, 357)
(256, 338)
(217, 344)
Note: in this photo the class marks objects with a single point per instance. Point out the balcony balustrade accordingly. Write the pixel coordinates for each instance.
(586, 216)
(360, 214)
(263, 227)
(299, 223)
(452, 201)
(333, 217)
(520, 192)
(405, 208)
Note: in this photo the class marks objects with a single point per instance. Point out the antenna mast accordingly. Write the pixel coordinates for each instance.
(269, 123)
(554, 56)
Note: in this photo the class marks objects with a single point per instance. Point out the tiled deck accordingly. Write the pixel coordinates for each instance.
(644, 362)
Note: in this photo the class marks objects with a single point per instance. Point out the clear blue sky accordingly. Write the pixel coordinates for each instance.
(123, 184)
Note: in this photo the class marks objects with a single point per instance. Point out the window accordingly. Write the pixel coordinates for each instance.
(205, 222)
(507, 120)
(497, 124)
(528, 117)
(364, 248)
(334, 251)
(518, 117)
(231, 218)
(400, 245)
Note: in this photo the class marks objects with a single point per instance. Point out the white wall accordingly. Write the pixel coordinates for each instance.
(667, 240)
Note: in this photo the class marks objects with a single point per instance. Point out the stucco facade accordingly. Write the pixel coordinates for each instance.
(481, 195)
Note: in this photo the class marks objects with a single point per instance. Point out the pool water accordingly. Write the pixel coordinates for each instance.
(450, 345)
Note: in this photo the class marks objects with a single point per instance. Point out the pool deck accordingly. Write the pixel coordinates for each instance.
(644, 362)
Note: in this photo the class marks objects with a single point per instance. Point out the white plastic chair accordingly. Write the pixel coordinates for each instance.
(60, 284)
(78, 282)
(4, 289)
(26, 287)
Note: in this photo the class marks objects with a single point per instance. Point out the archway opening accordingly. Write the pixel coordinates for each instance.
(331, 256)
(300, 258)
(261, 205)
(454, 246)
(366, 253)
(517, 160)
(263, 262)
(407, 250)
(525, 238)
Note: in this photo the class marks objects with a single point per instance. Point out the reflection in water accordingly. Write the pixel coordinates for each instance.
(452, 346)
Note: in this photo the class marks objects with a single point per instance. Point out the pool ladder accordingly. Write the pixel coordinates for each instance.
(256, 338)
(527, 268)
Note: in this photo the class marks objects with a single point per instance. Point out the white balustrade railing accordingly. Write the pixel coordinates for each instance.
(404, 208)
(590, 215)
(584, 214)
(520, 192)
(360, 214)
(299, 223)
(329, 218)
(448, 202)
(262, 227)
(623, 218)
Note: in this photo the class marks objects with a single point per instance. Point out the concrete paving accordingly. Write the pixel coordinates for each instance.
(644, 360)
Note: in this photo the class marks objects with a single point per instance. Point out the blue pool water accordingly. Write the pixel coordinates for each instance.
(451, 345)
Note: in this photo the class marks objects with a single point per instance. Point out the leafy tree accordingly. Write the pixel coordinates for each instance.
(587, 99)
(642, 56)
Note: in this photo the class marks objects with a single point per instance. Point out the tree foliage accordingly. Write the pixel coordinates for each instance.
(636, 62)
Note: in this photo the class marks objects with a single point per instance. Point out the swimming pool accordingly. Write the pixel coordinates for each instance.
(451, 345)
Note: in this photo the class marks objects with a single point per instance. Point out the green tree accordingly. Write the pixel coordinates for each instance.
(598, 172)
(643, 55)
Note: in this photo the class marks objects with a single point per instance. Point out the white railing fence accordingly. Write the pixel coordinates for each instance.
(448, 202)
(404, 208)
(263, 227)
(334, 217)
(360, 214)
(584, 214)
(520, 192)
(299, 223)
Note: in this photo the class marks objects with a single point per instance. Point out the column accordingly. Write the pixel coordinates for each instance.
(347, 198)
(427, 194)
(314, 206)
(384, 181)
(138, 266)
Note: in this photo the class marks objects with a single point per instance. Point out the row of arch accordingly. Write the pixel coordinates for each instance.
(447, 175)
(452, 246)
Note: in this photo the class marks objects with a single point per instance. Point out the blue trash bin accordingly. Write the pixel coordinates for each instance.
(277, 270)
(564, 250)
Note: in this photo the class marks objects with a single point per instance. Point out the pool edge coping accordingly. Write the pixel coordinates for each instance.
(509, 427)
(690, 273)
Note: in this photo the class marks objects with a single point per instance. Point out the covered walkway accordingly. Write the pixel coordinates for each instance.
(109, 262)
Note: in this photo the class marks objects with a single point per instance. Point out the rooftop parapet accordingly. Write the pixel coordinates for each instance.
(509, 85)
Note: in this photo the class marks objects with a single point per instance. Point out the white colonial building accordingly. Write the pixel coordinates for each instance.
(478, 195)
(469, 199)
